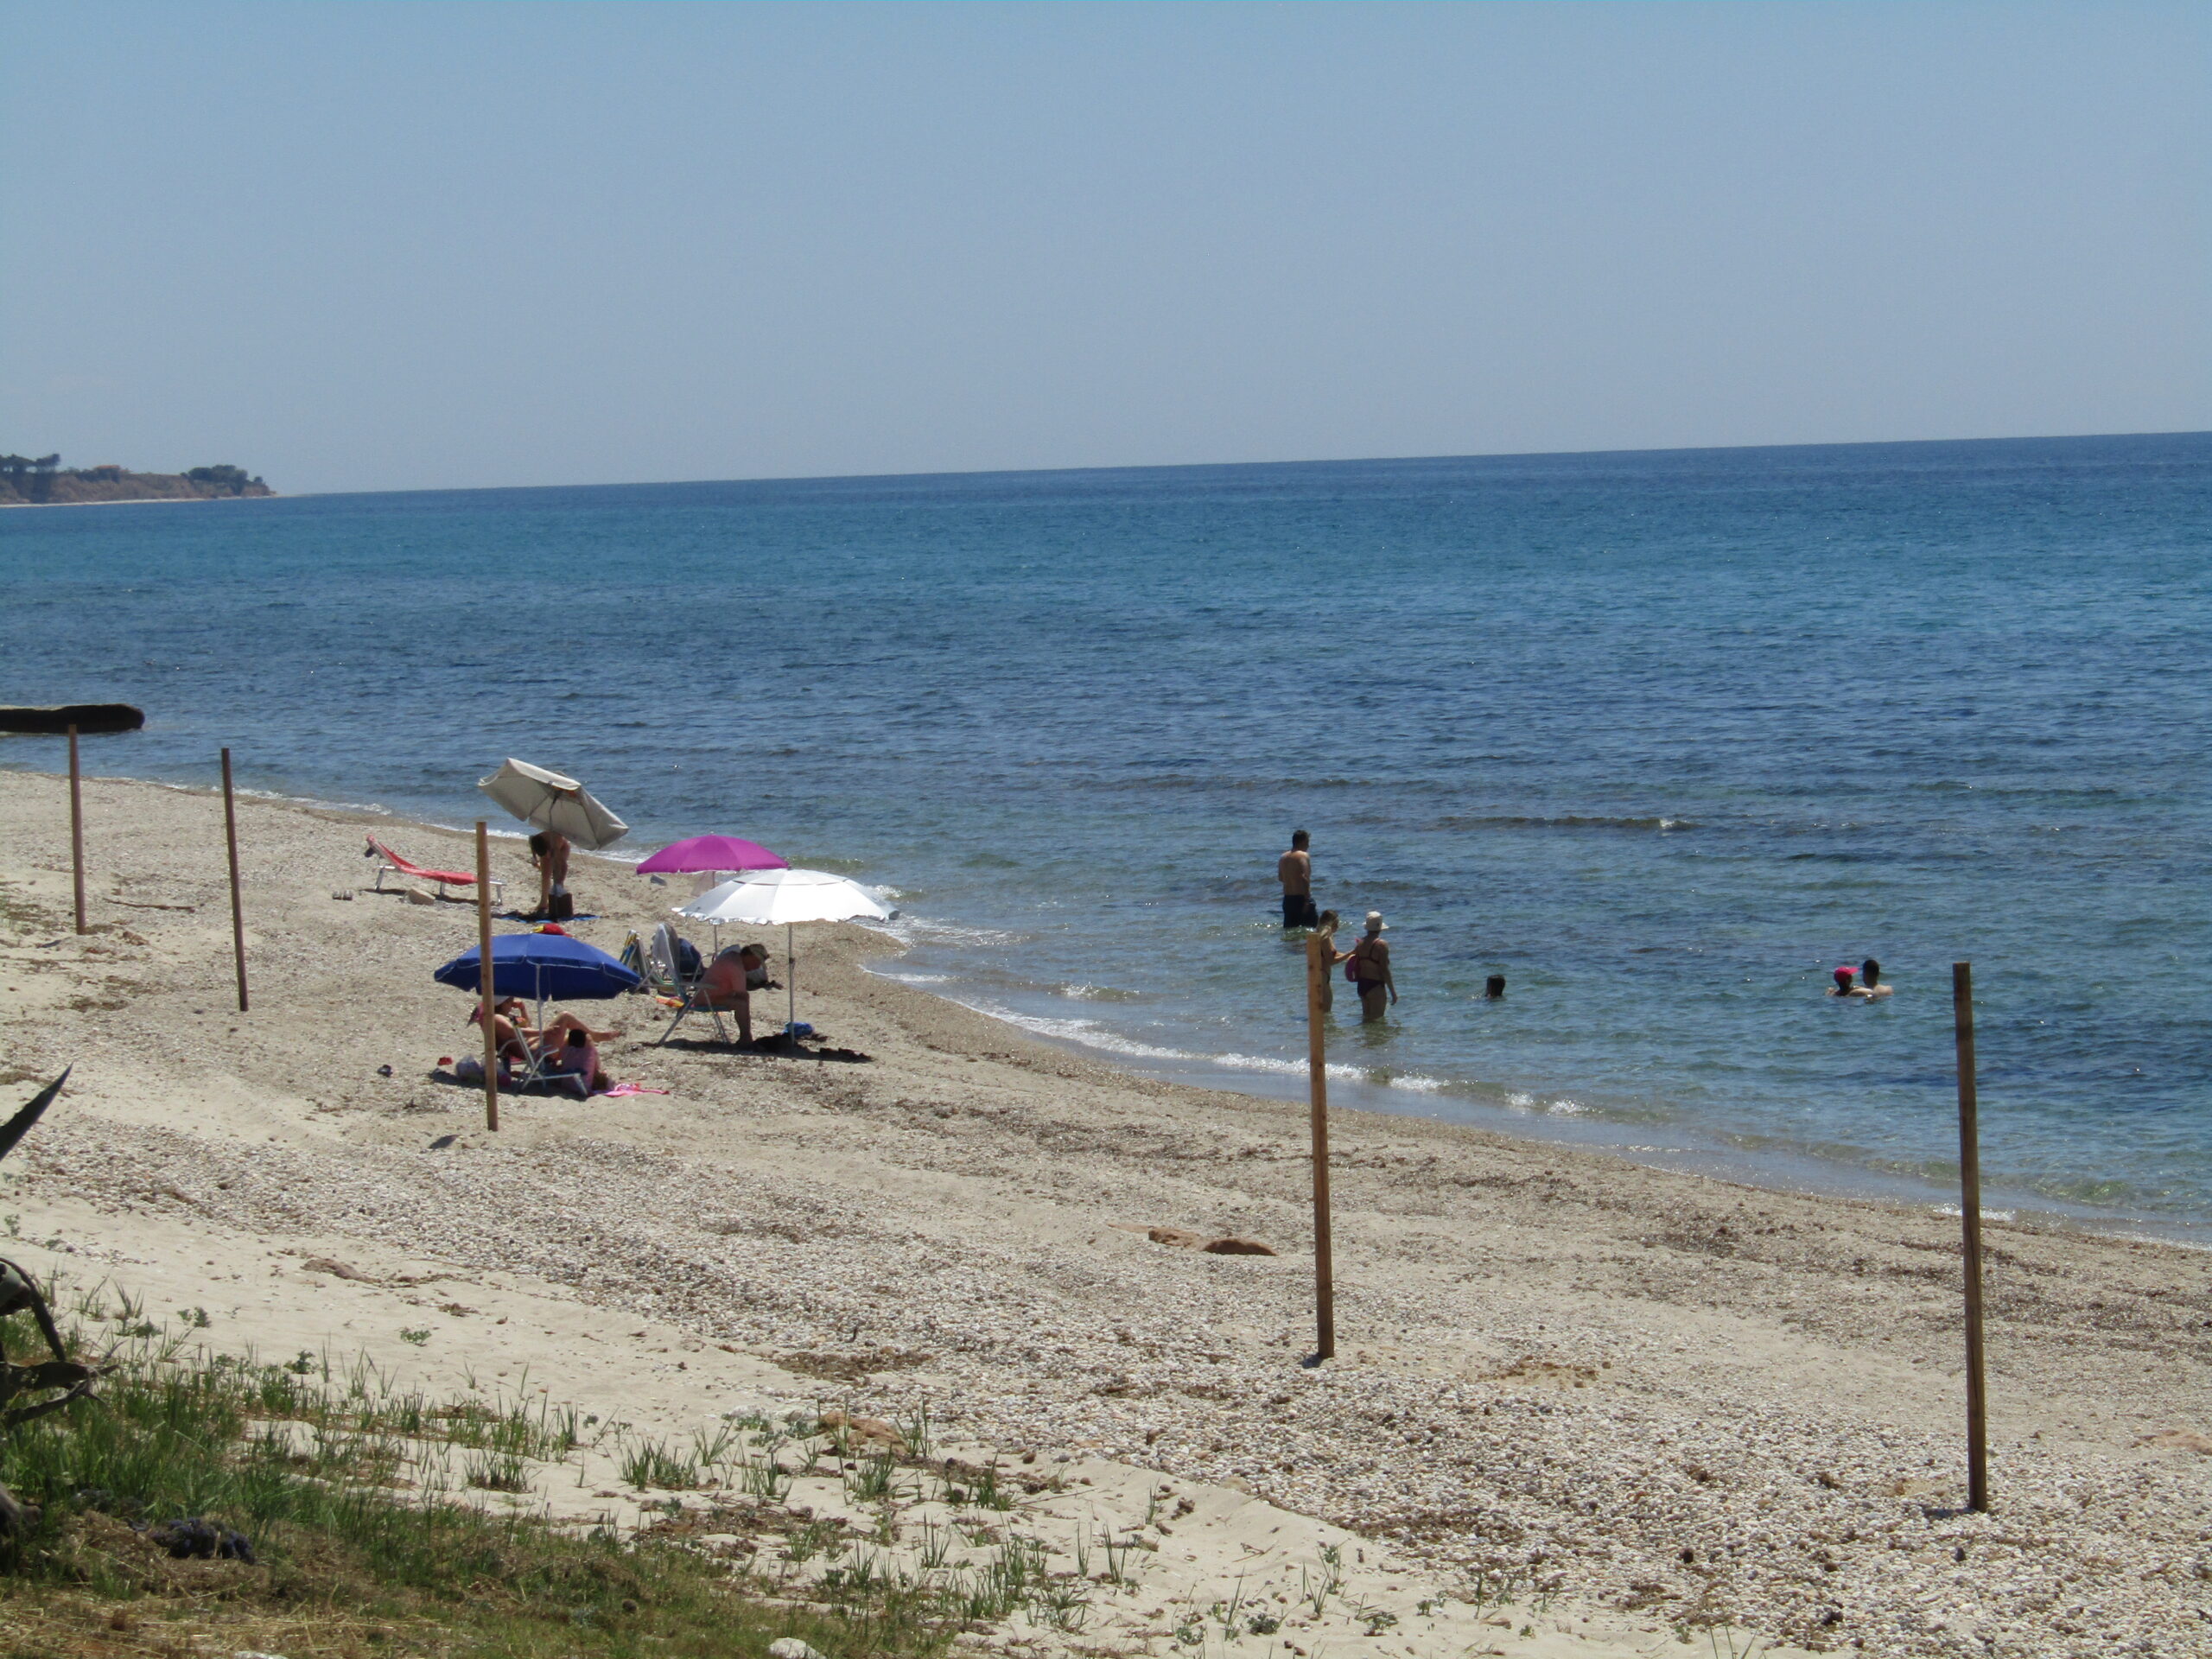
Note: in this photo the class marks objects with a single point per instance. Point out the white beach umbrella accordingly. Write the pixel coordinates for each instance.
(552, 802)
(764, 898)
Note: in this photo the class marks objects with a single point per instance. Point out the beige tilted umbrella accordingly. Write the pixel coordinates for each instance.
(552, 802)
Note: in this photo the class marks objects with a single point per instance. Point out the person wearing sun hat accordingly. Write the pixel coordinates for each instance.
(1370, 968)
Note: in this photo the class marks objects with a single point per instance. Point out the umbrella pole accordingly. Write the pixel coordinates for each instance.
(790, 990)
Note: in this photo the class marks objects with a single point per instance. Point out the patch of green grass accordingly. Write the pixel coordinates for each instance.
(873, 1480)
(498, 1471)
(362, 1547)
(766, 1479)
(655, 1463)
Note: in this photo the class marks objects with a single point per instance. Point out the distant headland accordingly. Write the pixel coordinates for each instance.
(25, 482)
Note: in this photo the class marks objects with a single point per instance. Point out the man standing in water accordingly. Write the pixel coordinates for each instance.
(1295, 868)
(1371, 960)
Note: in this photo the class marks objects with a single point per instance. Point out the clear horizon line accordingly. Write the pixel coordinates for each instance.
(1223, 466)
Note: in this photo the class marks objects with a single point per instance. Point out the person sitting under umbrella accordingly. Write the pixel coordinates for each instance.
(511, 1026)
(511, 1029)
(730, 981)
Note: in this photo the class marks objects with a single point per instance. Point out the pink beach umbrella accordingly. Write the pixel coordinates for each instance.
(712, 853)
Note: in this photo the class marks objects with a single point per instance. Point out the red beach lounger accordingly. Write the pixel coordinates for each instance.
(398, 865)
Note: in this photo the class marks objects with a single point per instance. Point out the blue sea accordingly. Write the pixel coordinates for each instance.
(1661, 737)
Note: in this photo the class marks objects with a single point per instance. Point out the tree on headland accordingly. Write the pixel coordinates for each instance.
(231, 481)
(25, 478)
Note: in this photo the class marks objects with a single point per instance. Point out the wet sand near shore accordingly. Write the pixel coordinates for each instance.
(1645, 1404)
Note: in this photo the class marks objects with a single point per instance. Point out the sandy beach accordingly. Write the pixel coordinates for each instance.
(1581, 1407)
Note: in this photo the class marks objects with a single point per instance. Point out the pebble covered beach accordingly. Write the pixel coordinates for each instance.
(1665, 1404)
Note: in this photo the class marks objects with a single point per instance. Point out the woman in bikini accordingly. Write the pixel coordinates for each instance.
(1324, 928)
(510, 1029)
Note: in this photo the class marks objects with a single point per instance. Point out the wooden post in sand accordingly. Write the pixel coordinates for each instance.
(77, 828)
(238, 907)
(484, 975)
(1317, 1070)
(1970, 1219)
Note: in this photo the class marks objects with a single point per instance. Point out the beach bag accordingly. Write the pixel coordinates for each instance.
(561, 908)
(468, 1069)
(1351, 967)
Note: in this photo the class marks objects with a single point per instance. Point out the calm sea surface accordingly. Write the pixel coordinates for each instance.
(1661, 737)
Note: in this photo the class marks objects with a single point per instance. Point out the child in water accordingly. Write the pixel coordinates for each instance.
(1869, 986)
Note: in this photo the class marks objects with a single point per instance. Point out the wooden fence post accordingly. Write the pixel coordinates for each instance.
(484, 975)
(77, 828)
(238, 907)
(1317, 1068)
(1970, 1219)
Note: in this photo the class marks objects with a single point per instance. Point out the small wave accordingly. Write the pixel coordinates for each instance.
(1097, 994)
(1987, 1214)
(920, 930)
(1272, 785)
(1092, 1034)
(1088, 1033)
(1520, 1100)
(1568, 821)
(374, 809)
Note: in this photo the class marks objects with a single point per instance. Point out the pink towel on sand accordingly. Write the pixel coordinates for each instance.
(621, 1089)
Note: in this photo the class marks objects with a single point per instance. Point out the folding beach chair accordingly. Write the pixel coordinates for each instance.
(664, 967)
(535, 1068)
(392, 862)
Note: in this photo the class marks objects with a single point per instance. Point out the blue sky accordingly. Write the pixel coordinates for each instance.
(373, 246)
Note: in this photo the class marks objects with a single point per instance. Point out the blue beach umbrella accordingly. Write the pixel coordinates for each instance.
(542, 967)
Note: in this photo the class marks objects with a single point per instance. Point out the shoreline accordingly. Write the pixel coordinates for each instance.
(1801, 1175)
(1652, 1398)
(145, 500)
(1788, 1170)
